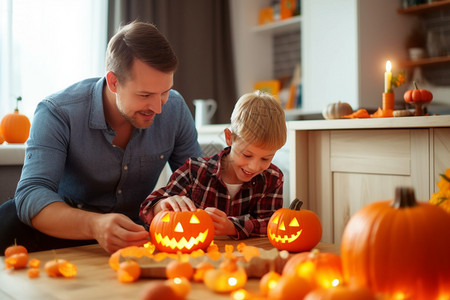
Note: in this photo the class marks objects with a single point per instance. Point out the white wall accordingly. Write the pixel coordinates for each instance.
(252, 52)
(329, 48)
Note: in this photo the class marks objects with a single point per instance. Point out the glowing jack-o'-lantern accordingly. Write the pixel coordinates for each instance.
(183, 231)
(293, 229)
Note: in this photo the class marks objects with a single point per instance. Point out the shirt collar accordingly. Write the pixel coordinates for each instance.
(97, 114)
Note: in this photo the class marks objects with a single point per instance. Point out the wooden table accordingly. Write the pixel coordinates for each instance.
(96, 280)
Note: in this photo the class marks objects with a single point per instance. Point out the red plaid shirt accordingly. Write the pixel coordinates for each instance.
(200, 180)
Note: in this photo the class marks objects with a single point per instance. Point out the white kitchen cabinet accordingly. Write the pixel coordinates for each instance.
(339, 166)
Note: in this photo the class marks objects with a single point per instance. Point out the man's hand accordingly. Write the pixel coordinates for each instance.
(115, 231)
(112, 231)
(222, 225)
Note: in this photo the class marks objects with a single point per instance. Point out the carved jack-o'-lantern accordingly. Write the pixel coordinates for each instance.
(183, 231)
(293, 229)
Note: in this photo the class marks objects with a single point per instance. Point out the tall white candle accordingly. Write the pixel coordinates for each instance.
(387, 77)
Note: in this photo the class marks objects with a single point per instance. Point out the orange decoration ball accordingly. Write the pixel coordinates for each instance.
(181, 286)
(321, 269)
(290, 287)
(268, 282)
(128, 271)
(158, 290)
(201, 269)
(179, 269)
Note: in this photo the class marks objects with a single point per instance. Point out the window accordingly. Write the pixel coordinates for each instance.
(46, 45)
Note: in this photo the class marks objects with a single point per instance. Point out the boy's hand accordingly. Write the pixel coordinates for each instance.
(222, 225)
(175, 203)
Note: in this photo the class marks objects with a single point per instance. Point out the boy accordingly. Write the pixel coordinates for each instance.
(239, 187)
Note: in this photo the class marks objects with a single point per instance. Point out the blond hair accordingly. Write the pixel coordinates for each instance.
(258, 118)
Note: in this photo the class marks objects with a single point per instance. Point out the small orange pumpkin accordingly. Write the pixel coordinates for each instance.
(15, 127)
(399, 247)
(290, 287)
(418, 97)
(183, 231)
(293, 229)
(226, 278)
(321, 269)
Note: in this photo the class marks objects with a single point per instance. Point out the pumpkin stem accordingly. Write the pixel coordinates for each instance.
(296, 204)
(415, 85)
(17, 103)
(404, 197)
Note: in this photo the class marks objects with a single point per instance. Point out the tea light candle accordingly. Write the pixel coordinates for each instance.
(387, 77)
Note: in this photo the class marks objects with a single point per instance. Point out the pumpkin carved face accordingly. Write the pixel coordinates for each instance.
(183, 231)
(293, 229)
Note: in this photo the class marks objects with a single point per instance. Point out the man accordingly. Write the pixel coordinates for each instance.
(96, 150)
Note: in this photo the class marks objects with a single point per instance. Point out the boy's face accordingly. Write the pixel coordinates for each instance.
(246, 161)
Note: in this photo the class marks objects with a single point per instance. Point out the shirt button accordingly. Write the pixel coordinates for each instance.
(125, 167)
(162, 156)
(119, 192)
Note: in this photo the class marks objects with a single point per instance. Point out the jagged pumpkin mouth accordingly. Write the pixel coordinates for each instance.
(284, 238)
(183, 243)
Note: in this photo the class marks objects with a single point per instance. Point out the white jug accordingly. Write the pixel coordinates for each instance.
(204, 111)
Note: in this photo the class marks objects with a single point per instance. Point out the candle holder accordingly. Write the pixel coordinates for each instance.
(388, 101)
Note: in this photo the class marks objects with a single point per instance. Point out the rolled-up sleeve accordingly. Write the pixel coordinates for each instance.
(45, 158)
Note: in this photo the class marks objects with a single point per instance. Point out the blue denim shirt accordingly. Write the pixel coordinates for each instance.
(70, 156)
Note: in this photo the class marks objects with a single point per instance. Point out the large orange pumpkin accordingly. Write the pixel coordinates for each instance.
(293, 229)
(15, 127)
(399, 248)
(321, 269)
(183, 231)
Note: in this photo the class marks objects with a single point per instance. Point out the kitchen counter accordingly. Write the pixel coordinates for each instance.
(372, 123)
(338, 166)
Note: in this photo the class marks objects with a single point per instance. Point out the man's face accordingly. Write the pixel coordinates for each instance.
(142, 96)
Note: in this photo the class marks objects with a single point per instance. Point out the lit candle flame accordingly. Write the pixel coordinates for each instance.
(388, 66)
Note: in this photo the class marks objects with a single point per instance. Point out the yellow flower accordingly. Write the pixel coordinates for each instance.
(442, 198)
(444, 183)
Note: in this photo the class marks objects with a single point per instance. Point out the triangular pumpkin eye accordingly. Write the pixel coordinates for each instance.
(179, 228)
(194, 220)
(294, 223)
(166, 218)
(275, 220)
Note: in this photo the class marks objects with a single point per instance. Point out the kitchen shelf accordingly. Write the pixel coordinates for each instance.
(279, 26)
(423, 8)
(425, 62)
